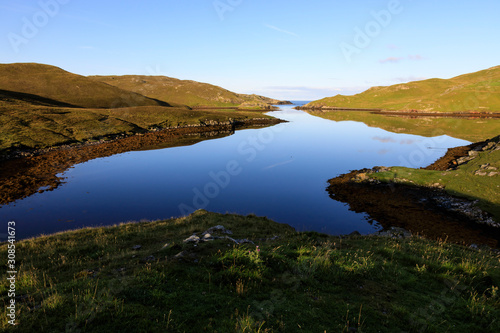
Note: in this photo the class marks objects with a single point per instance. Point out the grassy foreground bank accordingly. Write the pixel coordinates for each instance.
(141, 277)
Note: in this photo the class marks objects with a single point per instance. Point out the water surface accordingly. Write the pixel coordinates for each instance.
(280, 172)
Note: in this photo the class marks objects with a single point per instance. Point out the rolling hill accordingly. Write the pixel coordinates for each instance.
(479, 91)
(58, 85)
(42, 106)
(186, 92)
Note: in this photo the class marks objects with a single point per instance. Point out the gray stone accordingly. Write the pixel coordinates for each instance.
(136, 247)
(218, 228)
(491, 174)
(180, 255)
(464, 159)
(394, 232)
(192, 239)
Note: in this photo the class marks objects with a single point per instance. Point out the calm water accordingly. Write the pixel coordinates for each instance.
(280, 172)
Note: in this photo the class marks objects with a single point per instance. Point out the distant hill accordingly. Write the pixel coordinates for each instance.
(186, 92)
(479, 91)
(40, 81)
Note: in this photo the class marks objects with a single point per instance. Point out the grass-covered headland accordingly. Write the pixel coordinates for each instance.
(143, 277)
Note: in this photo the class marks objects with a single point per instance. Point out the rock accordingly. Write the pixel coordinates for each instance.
(180, 255)
(464, 159)
(240, 241)
(192, 239)
(394, 232)
(136, 247)
(361, 176)
(473, 153)
(218, 228)
(474, 246)
(207, 238)
(480, 173)
(484, 166)
(491, 174)
(381, 169)
(489, 146)
(354, 233)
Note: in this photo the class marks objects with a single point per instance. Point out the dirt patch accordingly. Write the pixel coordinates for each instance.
(22, 177)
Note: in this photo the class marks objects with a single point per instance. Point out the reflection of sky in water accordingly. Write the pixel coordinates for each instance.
(280, 172)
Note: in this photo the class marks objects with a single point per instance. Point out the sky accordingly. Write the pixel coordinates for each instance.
(286, 49)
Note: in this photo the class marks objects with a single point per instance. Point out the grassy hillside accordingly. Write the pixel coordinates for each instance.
(479, 91)
(186, 92)
(56, 84)
(143, 277)
(28, 121)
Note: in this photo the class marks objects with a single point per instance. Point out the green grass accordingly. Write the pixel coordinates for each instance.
(91, 280)
(479, 91)
(59, 85)
(460, 182)
(185, 92)
(467, 129)
(24, 125)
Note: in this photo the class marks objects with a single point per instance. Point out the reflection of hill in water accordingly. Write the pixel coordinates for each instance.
(461, 128)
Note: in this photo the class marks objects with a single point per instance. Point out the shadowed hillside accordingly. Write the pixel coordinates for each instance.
(479, 91)
(59, 85)
(186, 92)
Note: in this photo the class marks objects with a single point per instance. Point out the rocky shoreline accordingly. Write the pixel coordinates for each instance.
(429, 211)
(27, 172)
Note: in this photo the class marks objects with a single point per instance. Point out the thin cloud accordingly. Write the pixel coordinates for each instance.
(281, 30)
(394, 60)
(391, 60)
(392, 47)
(415, 57)
(385, 139)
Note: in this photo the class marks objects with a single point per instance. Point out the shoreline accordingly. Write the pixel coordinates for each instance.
(426, 210)
(412, 113)
(28, 172)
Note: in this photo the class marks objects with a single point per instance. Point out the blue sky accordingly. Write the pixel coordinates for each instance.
(286, 49)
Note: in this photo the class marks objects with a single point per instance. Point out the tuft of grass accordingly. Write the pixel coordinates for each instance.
(93, 280)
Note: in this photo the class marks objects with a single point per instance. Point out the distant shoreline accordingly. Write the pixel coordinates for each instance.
(411, 113)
